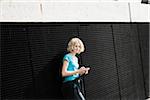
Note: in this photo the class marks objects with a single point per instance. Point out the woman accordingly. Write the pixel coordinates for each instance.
(71, 70)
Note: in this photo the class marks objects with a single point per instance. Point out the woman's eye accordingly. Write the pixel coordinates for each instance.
(78, 46)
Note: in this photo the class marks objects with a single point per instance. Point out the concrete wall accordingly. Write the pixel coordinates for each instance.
(74, 11)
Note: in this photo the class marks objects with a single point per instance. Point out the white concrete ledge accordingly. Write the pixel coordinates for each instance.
(140, 12)
(116, 1)
(20, 12)
(43, 11)
(86, 12)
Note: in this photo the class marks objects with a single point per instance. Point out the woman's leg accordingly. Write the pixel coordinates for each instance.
(71, 91)
(68, 90)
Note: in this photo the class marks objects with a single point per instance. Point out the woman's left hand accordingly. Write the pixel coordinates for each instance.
(87, 70)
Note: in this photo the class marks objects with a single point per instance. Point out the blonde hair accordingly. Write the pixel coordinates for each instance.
(72, 43)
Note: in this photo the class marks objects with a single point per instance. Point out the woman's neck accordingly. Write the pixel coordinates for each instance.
(72, 53)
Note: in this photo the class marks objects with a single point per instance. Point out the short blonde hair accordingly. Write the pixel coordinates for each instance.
(72, 43)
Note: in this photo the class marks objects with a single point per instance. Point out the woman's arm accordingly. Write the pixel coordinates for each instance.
(69, 73)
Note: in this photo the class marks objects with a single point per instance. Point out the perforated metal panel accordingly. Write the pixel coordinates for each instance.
(102, 81)
(128, 60)
(143, 30)
(15, 64)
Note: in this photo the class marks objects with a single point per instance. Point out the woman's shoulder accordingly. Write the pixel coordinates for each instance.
(67, 55)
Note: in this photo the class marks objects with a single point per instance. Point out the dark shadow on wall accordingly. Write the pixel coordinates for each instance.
(47, 84)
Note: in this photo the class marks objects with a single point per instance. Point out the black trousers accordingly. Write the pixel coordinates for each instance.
(71, 91)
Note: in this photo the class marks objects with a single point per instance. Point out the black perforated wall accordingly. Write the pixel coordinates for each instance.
(16, 69)
(32, 54)
(144, 53)
(128, 62)
(102, 81)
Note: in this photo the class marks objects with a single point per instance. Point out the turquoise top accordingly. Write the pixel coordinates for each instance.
(72, 66)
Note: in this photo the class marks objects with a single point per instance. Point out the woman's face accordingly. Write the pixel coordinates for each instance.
(77, 48)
